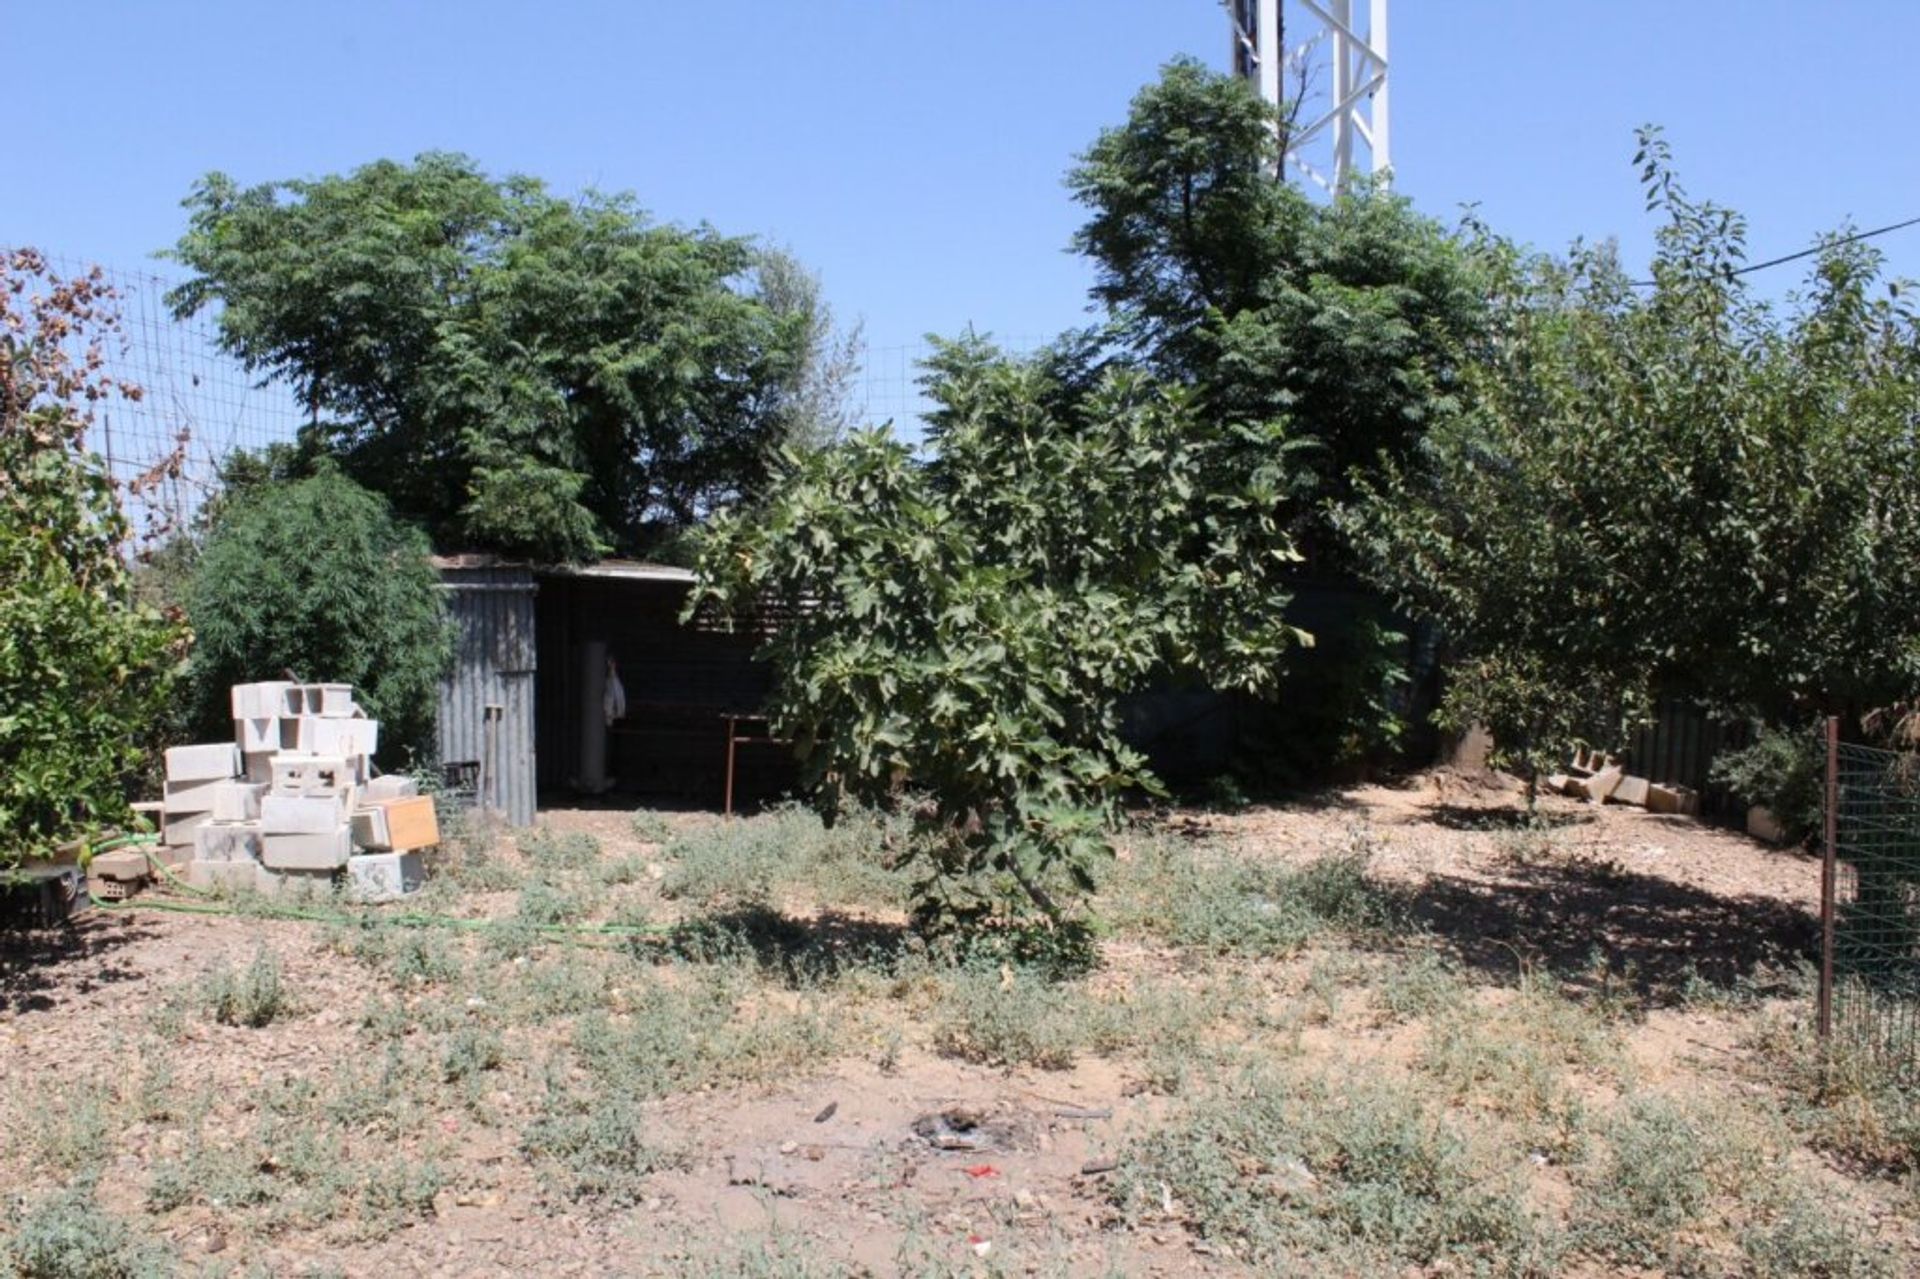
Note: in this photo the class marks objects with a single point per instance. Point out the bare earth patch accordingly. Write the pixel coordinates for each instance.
(1396, 1028)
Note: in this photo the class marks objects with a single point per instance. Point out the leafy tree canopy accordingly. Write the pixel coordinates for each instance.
(963, 625)
(543, 377)
(1350, 319)
(314, 575)
(85, 669)
(1681, 485)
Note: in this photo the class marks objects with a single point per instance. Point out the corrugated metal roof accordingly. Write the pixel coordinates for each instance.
(627, 570)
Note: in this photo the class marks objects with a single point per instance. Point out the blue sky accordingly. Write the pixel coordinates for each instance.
(912, 152)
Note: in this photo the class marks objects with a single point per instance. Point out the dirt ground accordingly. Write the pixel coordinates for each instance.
(850, 1127)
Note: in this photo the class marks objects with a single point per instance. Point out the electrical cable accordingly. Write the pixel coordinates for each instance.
(1806, 252)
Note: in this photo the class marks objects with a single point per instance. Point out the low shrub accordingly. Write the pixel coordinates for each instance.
(1357, 1174)
(251, 998)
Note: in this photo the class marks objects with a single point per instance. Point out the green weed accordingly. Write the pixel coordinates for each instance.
(67, 1236)
(552, 850)
(1356, 1173)
(251, 998)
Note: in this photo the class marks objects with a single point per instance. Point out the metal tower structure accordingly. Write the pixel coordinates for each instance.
(1319, 136)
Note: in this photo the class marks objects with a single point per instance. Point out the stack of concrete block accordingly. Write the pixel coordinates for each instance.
(272, 810)
(392, 826)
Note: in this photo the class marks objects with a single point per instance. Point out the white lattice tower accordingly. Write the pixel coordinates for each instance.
(1322, 137)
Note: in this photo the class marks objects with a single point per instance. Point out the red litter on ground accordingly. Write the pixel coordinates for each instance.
(981, 1170)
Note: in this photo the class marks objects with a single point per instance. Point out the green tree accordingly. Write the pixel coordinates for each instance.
(521, 373)
(962, 626)
(314, 575)
(1678, 487)
(1350, 320)
(85, 668)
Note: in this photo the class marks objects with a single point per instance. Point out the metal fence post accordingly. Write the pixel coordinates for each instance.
(1828, 876)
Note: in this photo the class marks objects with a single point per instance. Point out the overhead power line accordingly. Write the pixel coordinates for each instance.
(1807, 252)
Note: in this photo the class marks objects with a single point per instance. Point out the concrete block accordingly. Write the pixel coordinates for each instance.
(189, 797)
(227, 842)
(231, 876)
(343, 737)
(315, 850)
(296, 773)
(391, 786)
(257, 734)
(259, 766)
(383, 877)
(1664, 797)
(183, 831)
(210, 762)
(336, 701)
(237, 801)
(294, 885)
(1763, 825)
(309, 814)
(1631, 790)
(293, 702)
(123, 865)
(265, 700)
(1601, 784)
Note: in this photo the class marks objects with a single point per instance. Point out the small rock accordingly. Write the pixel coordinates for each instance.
(788, 1147)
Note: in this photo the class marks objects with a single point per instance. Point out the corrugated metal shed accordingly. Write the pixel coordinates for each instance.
(495, 657)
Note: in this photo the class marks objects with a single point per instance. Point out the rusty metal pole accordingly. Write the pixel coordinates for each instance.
(1827, 877)
(731, 724)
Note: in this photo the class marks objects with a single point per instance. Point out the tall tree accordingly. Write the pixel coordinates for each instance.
(1681, 485)
(1350, 320)
(963, 626)
(521, 372)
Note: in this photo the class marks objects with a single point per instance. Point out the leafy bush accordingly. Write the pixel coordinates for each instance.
(86, 670)
(316, 576)
(1783, 771)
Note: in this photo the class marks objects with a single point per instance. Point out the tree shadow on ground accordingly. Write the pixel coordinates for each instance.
(798, 950)
(810, 950)
(1593, 926)
(1468, 817)
(42, 967)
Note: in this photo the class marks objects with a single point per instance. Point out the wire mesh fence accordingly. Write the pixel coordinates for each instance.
(1870, 906)
(190, 388)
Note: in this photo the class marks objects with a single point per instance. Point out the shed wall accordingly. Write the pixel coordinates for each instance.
(495, 658)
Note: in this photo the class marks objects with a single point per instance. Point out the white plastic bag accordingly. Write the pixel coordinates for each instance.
(615, 702)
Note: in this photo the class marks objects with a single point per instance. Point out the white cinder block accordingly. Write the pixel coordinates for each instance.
(183, 831)
(227, 842)
(265, 700)
(336, 701)
(295, 773)
(382, 877)
(259, 766)
(310, 814)
(237, 801)
(343, 737)
(189, 797)
(294, 884)
(257, 734)
(316, 850)
(229, 875)
(210, 762)
(391, 786)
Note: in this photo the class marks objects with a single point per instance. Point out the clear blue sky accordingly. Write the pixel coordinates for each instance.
(912, 151)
